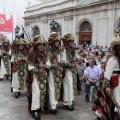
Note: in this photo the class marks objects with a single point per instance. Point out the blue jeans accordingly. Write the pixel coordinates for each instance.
(89, 84)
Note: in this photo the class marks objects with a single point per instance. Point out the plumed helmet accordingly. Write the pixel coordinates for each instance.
(54, 36)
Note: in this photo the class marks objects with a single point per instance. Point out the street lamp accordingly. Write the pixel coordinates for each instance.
(53, 26)
(17, 30)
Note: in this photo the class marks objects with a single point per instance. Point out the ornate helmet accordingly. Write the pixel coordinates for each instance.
(68, 37)
(21, 41)
(6, 40)
(116, 40)
(38, 39)
(54, 36)
(27, 42)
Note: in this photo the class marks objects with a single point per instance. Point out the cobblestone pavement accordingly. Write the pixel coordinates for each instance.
(16, 109)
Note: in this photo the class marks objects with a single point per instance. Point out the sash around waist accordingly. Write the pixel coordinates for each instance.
(116, 72)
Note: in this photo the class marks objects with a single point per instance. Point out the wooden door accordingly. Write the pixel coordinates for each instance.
(85, 37)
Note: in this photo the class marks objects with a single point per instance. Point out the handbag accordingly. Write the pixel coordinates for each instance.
(114, 81)
(14, 68)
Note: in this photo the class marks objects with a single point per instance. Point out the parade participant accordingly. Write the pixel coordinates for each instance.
(37, 77)
(107, 102)
(19, 68)
(14, 52)
(55, 72)
(70, 79)
(5, 59)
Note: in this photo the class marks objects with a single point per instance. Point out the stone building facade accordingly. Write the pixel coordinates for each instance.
(93, 21)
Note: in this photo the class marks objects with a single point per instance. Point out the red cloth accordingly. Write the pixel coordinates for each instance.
(114, 81)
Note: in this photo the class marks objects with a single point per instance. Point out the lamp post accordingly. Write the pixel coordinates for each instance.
(17, 30)
(53, 26)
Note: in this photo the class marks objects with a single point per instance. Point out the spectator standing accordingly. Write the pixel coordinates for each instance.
(98, 60)
(80, 71)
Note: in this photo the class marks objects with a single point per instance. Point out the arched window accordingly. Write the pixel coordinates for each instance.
(86, 26)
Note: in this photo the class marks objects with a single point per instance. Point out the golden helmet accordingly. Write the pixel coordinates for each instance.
(38, 39)
(27, 42)
(54, 36)
(6, 40)
(21, 41)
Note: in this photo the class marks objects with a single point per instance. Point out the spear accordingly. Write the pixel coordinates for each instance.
(25, 32)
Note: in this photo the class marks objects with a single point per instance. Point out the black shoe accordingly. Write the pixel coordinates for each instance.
(36, 115)
(16, 95)
(98, 118)
(54, 111)
(70, 107)
(19, 93)
(0, 79)
(87, 98)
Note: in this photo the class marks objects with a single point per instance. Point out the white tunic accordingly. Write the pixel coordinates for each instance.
(15, 80)
(53, 101)
(112, 65)
(3, 69)
(68, 82)
(35, 89)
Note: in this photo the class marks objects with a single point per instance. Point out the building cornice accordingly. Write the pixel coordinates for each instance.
(34, 11)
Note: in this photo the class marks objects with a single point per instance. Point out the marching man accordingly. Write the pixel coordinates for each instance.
(55, 72)
(70, 79)
(37, 77)
(19, 68)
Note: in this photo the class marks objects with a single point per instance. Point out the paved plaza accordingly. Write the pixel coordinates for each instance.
(16, 109)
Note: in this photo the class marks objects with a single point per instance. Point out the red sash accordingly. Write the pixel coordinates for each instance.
(14, 68)
(114, 81)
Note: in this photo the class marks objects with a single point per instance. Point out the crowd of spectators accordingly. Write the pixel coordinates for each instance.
(91, 65)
